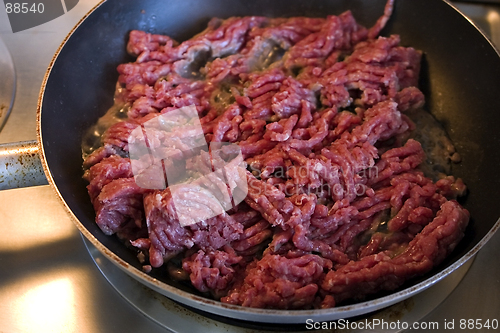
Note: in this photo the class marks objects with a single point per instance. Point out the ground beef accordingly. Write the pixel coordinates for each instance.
(168, 236)
(387, 270)
(119, 205)
(296, 184)
(212, 270)
(279, 282)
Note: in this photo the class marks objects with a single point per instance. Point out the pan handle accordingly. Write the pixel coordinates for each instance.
(20, 165)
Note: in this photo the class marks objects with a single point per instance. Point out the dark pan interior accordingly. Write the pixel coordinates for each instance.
(460, 78)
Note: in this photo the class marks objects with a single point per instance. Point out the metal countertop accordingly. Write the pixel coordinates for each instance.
(48, 281)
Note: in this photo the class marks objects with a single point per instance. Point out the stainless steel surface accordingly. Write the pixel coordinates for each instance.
(20, 165)
(486, 17)
(7, 83)
(48, 281)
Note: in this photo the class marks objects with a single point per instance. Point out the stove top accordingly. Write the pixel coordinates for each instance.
(49, 281)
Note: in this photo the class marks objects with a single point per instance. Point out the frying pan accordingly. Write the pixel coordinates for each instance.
(460, 78)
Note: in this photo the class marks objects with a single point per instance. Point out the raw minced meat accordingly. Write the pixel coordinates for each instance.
(336, 206)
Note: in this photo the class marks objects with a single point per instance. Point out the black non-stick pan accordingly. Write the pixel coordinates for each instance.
(460, 78)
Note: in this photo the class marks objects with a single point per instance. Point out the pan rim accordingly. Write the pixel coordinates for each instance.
(236, 311)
